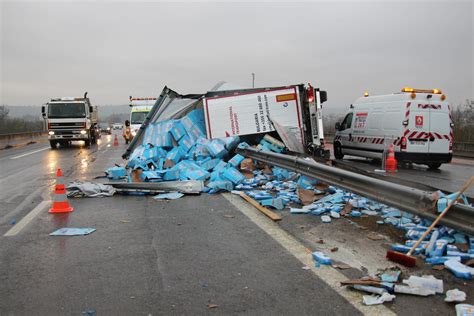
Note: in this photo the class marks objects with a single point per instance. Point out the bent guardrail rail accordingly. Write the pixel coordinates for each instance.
(415, 201)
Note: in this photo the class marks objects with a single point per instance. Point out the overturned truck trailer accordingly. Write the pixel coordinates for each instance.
(293, 113)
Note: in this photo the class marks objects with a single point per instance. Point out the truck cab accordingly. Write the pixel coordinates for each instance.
(70, 119)
(139, 111)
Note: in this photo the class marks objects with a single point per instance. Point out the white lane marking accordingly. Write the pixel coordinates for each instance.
(29, 153)
(327, 274)
(27, 219)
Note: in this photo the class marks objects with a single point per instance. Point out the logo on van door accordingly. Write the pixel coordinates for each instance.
(419, 121)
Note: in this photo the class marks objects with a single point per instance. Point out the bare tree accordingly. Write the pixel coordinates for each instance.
(3, 112)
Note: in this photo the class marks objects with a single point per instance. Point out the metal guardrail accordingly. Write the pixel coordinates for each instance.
(5, 139)
(415, 201)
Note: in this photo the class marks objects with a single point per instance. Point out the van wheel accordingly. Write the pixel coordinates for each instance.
(338, 151)
(434, 166)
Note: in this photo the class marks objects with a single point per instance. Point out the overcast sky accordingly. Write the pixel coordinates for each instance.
(117, 49)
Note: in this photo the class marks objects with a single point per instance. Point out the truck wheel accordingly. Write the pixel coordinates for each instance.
(434, 166)
(53, 144)
(87, 142)
(338, 151)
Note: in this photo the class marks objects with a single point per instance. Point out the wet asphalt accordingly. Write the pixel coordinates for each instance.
(197, 255)
(194, 256)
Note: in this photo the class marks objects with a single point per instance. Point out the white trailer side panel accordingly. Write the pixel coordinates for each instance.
(250, 113)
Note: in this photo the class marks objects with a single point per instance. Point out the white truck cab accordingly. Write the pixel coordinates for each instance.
(417, 122)
(140, 108)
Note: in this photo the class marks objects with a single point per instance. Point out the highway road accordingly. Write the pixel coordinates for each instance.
(194, 256)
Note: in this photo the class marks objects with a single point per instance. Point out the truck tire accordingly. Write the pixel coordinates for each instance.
(53, 144)
(338, 151)
(87, 142)
(434, 165)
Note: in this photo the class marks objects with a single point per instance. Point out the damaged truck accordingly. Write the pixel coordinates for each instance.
(291, 113)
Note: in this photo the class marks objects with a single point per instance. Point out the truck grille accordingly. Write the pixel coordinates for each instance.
(66, 125)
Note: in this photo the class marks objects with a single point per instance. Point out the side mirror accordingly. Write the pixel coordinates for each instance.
(91, 109)
(323, 95)
(43, 111)
(337, 126)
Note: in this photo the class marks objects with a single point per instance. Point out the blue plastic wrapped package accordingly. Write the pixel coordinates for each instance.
(321, 258)
(464, 255)
(405, 249)
(171, 174)
(280, 173)
(274, 203)
(458, 269)
(441, 260)
(148, 137)
(150, 176)
(299, 211)
(223, 185)
(438, 248)
(233, 175)
(354, 213)
(210, 163)
(178, 131)
(236, 160)
(194, 124)
(175, 155)
(116, 173)
(185, 143)
(444, 200)
(216, 148)
(307, 183)
(198, 174)
(230, 142)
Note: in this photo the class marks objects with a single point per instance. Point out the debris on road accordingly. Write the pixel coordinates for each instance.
(376, 300)
(321, 258)
(455, 295)
(69, 231)
(89, 189)
(464, 310)
(168, 196)
(116, 173)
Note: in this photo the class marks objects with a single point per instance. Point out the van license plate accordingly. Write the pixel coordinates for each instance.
(417, 142)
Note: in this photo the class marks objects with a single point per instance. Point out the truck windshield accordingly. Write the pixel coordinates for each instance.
(66, 110)
(138, 117)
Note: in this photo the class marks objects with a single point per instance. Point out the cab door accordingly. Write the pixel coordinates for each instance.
(345, 132)
(418, 140)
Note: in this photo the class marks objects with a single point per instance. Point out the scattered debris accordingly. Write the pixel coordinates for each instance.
(458, 269)
(272, 215)
(362, 281)
(455, 295)
(306, 268)
(72, 232)
(89, 312)
(374, 236)
(321, 258)
(334, 249)
(341, 266)
(428, 282)
(369, 289)
(229, 216)
(390, 276)
(464, 310)
(211, 306)
(168, 196)
(405, 289)
(124, 221)
(438, 267)
(117, 172)
(376, 300)
(89, 189)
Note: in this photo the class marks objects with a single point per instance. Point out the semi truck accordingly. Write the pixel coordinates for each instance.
(70, 119)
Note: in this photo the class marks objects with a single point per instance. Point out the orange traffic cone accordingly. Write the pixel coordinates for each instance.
(116, 140)
(60, 203)
(391, 162)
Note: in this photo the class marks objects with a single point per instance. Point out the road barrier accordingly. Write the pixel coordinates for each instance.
(8, 139)
(415, 201)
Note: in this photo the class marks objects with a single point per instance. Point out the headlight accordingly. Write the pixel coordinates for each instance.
(51, 133)
(83, 132)
(108, 128)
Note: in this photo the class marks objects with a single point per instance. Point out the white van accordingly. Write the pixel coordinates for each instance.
(417, 122)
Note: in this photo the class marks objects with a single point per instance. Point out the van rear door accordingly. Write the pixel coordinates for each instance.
(418, 129)
(439, 129)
